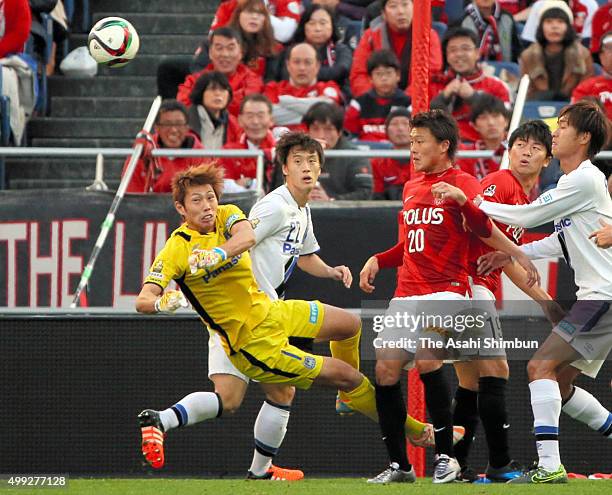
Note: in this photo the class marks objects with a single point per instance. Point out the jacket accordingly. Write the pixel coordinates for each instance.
(213, 134)
(165, 167)
(243, 82)
(509, 41)
(578, 67)
(377, 38)
(346, 178)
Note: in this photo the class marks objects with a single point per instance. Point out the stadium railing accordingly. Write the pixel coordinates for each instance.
(100, 153)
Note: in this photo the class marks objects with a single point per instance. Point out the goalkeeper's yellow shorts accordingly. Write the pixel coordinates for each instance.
(268, 357)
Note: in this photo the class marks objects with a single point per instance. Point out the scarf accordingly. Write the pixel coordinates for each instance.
(490, 48)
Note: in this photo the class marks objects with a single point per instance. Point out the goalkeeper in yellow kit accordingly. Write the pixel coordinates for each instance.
(208, 257)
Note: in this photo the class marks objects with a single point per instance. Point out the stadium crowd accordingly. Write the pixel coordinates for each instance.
(30, 32)
(340, 70)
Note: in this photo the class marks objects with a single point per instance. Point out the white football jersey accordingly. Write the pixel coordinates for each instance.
(283, 232)
(576, 205)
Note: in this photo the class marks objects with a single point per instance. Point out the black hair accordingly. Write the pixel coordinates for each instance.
(487, 103)
(382, 58)
(324, 112)
(300, 33)
(442, 126)
(171, 106)
(206, 80)
(383, 4)
(536, 130)
(397, 112)
(458, 32)
(556, 13)
(227, 32)
(586, 116)
(297, 140)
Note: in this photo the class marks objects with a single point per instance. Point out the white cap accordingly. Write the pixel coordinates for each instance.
(605, 39)
(556, 4)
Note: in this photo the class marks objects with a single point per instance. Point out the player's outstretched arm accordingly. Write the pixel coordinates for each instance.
(552, 310)
(315, 266)
(151, 300)
(241, 240)
(500, 242)
(368, 274)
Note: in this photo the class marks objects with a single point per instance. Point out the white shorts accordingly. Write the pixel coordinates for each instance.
(483, 335)
(588, 329)
(218, 362)
(413, 321)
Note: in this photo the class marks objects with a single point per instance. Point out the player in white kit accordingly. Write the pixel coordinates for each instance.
(583, 339)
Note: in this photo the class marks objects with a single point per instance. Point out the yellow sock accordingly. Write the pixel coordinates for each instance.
(363, 399)
(347, 350)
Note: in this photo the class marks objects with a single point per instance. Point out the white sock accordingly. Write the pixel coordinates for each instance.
(192, 409)
(546, 405)
(270, 428)
(585, 408)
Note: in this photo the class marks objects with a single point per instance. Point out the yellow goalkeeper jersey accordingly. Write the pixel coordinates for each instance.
(226, 297)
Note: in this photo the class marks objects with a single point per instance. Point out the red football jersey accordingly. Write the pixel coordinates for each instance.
(435, 241)
(500, 187)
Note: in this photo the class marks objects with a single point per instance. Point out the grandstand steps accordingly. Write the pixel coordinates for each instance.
(60, 172)
(87, 127)
(158, 6)
(71, 142)
(67, 106)
(154, 44)
(109, 109)
(155, 23)
(103, 86)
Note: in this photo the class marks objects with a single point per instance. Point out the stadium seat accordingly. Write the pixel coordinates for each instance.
(512, 67)
(440, 28)
(454, 10)
(598, 69)
(542, 109)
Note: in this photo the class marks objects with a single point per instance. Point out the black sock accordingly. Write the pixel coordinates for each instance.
(465, 413)
(492, 411)
(391, 417)
(438, 400)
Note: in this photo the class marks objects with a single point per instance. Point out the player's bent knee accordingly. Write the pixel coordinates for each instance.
(427, 365)
(232, 399)
(281, 394)
(388, 372)
(537, 369)
(497, 368)
(338, 374)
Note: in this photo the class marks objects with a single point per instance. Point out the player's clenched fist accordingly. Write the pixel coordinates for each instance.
(170, 301)
(205, 258)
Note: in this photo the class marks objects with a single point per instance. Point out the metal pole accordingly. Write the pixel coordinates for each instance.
(108, 222)
(259, 176)
(517, 114)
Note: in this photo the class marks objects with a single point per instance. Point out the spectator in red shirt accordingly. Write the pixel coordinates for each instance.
(291, 99)
(602, 23)
(366, 114)
(154, 174)
(284, 15)
(390, 174)
(256, 120)
(490, 118)
(393, 31)
(457, 89)
(16, 20)
(226, 53)
(208, 117)
(599, 87)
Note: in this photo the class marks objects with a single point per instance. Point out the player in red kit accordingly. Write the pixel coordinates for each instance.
(433, 284)
(483, 378)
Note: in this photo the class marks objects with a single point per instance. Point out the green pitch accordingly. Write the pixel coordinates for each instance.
(331, 486)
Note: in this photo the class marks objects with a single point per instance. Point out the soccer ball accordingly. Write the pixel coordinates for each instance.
(113, 41)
